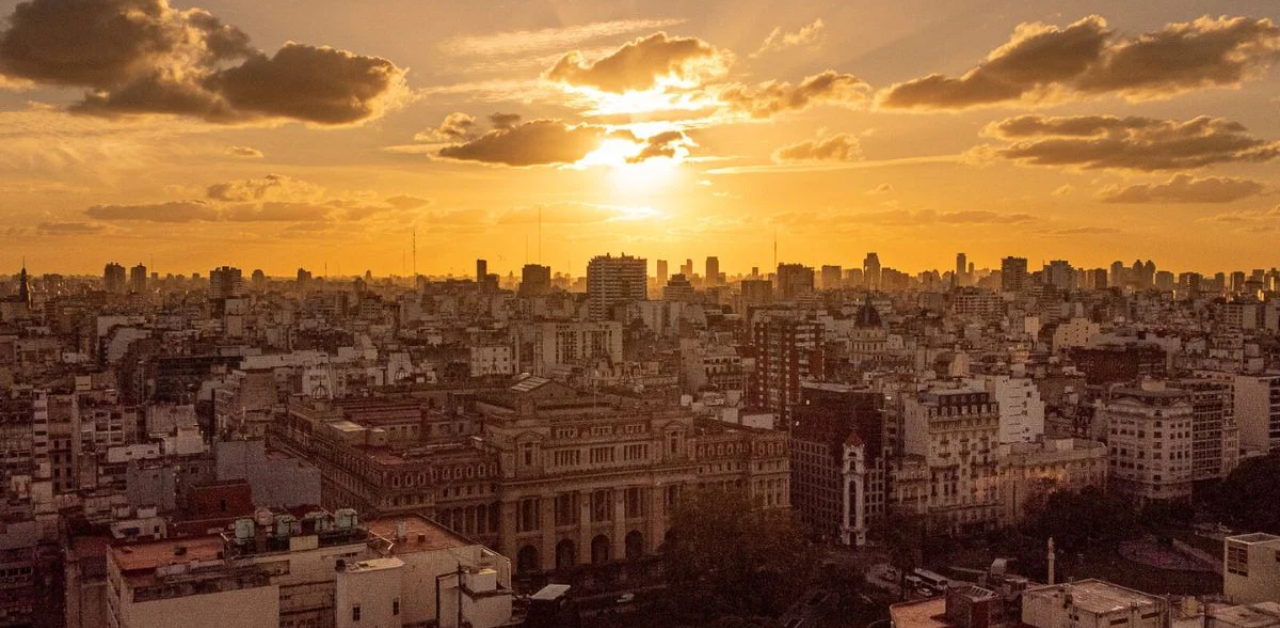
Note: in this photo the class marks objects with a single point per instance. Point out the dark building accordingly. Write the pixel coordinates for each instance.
(1117, 364)
(828, 417)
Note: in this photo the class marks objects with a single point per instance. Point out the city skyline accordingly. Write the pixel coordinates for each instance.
(554, 132)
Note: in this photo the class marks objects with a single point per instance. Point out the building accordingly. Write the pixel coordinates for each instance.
(225, 282)
(1251, 568)
(113, 278)
(1059, 274)
(1148, 430)
(961, 275)
(1092, 604)
(487, 360)
(662, 272)
(1013, 274)
(557, 344)
(794, 280)
(614, 281)
(788, 349)
(678, 289)
(712, 278)
(535, 280)
(1031, 471)
(838, 461)
(1215, 437)
(832, 277)
(871, 271)
(1021, 409)
(138, 279)
(950, 438)
(1257, 411)
(756, 293)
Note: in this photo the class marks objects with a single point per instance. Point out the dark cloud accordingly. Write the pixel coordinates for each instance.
(145, 57)
(840, 147)
(641, 64)
(1133, 143)
(270, 187)
(665, 144)
(1043, 63)
(773, 97)
(504, 120)
(320, 85)
(455, 127)
(1185, 188)
(534, 143)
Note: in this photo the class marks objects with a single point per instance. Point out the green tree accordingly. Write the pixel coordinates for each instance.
(903, 536)
(727, 556)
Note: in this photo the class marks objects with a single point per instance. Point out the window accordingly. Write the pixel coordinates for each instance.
(395, 606)
(526, 450)
(1238, 560)
(355, 612)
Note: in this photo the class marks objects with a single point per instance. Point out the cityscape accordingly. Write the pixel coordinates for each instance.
(588, 314)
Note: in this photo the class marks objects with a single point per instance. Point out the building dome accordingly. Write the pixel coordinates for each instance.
(868, 317)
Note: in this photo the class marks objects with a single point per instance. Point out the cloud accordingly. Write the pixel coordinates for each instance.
(534, 143)
(273, 198)
(572, 213)
(456, 126)
(667, 144)
(1132, 143)
(901, 218)
(526, 42)
(883, 188)
(271, 187)
(1185, 188)
(1080, 231)
(839, 147)
(1043, 64)
(1063, 190)
(145, 57)
(779, 40)
(773, 97)
(504, 120)
(644, 64)
(244, 151)
(71, 228)
(174, 211)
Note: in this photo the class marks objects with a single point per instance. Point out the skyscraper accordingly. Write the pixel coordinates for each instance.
(962, 268)
(713, 272)
(113, 278)
(794, 280)
(225, 282)
(1013, 274)
(138, 279)
(871, 271)
(662, 272)
(535, 280)
(832, 277)
(613, 281)
(482, 270)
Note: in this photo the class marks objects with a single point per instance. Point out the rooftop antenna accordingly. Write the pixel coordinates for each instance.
(415, 255)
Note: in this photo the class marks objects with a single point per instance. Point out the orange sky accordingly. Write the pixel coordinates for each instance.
(313, 132)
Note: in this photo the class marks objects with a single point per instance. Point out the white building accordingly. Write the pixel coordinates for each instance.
(564, 344)
(1257, 410)
(1021, 409)
(1251, 571)
(492, 360)
(1092, 604)
(1149, 434)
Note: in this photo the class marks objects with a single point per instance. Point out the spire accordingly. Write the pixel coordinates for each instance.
(24, 284)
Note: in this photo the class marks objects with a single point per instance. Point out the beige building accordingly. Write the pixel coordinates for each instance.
(1251, 571)
(951, 438)
(1149, 435)
(1092, 604)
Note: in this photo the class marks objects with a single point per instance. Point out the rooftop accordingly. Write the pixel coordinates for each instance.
(1256, 538)
(1259, 615)
(930, 613)
(185, 551)
(421, 534)
(1096, 596)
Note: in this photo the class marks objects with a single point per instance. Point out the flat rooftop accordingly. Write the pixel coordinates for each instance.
(930, 613)
(1255, 538)
(1261, 615)
(1096, 596)
(149, 556)
(421, 534)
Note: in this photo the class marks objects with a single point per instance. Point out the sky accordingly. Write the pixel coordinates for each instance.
(330, 134)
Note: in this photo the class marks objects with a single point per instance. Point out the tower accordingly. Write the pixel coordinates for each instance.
(24, 285)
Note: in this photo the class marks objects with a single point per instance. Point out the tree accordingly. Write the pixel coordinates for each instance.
(727, 556)
(1247, 499)
(903, 535)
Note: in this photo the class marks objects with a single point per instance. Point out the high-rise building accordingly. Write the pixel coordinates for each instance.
(686, 268)
(113, 278)
(756, 292)
(788, 350)
(225, 282)
(1148, 429)
(794, 280)
(961, 278)
(138, 279)
(871, 271)
(832, 277)
(663, 273)
(613, 281)
(482, 270)
(1013, 274)
(713, 272)
(678, 288)
(535, 280)
(1059, 274)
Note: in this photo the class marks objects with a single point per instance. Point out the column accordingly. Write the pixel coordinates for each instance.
(547, 506)
(619, 549)
(584, 527)
(507, 530)
(655, 518)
